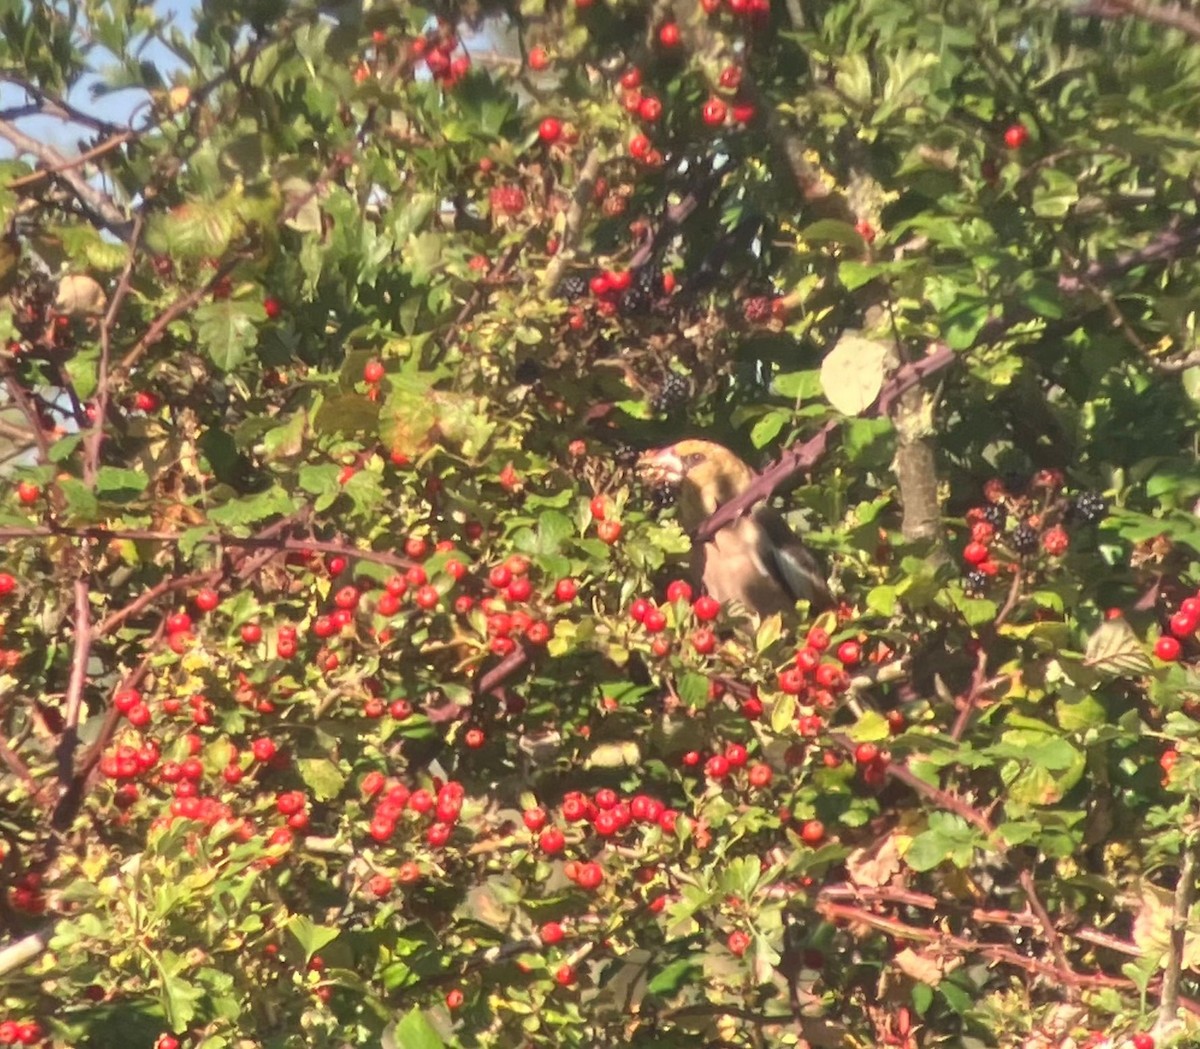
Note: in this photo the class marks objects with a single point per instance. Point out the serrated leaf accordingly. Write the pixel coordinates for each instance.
(253, 508)
(416, 1032)
(119, 486)
(1115, 649)
(322, 777)
(852, 373)
(309, 935)
(228, 330)
(80, 499)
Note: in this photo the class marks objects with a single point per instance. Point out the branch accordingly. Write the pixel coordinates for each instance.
(1172, 243)
(99, 204)
(803, 457)
(584, 191)
(1174, 16)
(1185, 895)
(502, 671)
(23, 951)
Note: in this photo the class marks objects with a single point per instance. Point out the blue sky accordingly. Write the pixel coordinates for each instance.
(116, 107)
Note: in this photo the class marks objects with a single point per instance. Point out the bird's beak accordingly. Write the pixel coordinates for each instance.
(661, 465)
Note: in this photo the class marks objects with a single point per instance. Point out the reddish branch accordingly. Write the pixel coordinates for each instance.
(1174, 242)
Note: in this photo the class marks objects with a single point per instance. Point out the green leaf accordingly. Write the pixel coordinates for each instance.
(674, 975)
(783, 713)
(228, 330)
(322, 777)
(416, 1032)
(309, 935)
(253, 508)
(81, 501)
(120, 486)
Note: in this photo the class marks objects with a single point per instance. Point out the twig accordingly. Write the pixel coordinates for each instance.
(502, 671)
(978, 677)
(78, 680)
(1185, 895)
(177, 309)
(584, 191)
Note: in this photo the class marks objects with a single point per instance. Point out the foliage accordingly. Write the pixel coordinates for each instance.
(342, 698)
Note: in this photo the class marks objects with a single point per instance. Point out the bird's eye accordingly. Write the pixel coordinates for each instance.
(690, 462)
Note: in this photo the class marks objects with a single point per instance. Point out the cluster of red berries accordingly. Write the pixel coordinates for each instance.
(606, 812)
(654, 618)
(814, 678)
(394, 801)
(1016, 522)
(756, 12)
(437, 49)
(26, 895)
(1182, 630)
(21, 1032)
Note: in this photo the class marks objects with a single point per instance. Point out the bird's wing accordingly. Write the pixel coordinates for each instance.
(788, 560)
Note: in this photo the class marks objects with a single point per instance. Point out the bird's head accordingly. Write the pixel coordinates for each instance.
(706, 473)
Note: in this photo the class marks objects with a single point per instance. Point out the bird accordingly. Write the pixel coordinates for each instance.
(757, 561)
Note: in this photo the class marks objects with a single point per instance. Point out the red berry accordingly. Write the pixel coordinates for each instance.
(1184, 625)
(714, 112)
(1055, 541)
(631, 79)
(550, 131)
(272, 306)
(609, 531)
(1167, 649)
(538, 59)
(738, 942)
(706, 608)
(551, 933)
(866, 753)
(1143, 1041)
(760, 775)
(251, 633)
(1015, 136)
(373, 371)
(28, 492)
(669, 35)
(849, 653)
(813, 832)
(566, 589)
(263, 749)
(207, 599)
(474, 738)
(535, 819)
(679, 590)
(551, 840)
(564, 976)
(649, 109)
(975, 553)
(639, 147)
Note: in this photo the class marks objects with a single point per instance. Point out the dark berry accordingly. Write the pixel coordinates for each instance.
(674, 393)
(625, 454)
(1025, 538)
(573, 286)
(527, 372)
(975, 584)
(634, 301)
(1089, 507)
(996, 515)
(648, 280)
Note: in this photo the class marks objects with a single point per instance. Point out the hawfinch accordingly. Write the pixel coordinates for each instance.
(757, 561)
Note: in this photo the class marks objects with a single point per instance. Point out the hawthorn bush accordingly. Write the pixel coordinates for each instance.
(353, 690)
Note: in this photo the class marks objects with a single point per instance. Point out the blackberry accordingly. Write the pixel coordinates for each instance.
(673, 394)
(996, 515)
(1025, 538)
(648, 280)
(625, 454)
(527, 372)
(975, 583)
(634, 301)
(573, 286)
(1089, 507)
